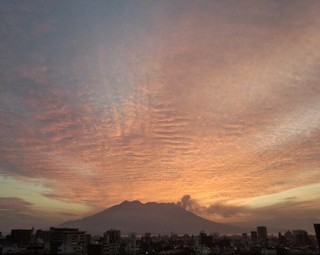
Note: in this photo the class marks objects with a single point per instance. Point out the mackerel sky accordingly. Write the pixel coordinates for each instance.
(215, 102)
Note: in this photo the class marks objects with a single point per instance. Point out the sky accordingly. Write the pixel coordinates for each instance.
(214, 105)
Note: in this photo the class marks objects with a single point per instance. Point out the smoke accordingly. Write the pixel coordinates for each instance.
(185, 201)
(219, 209)
(227, 210)
(191, 205)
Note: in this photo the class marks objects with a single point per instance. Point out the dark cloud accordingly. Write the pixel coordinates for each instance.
(14, 204)
(17, 213)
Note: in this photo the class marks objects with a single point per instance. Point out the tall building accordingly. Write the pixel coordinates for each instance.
(130, 243)
(282, 239)
(146, 242)
(262, 232)
(301, 237)
(67, 241)
(244, 236)
(254, 236)
(112, 236)
(43, 236)
(22, 237)
(111, 242)
(317, 230)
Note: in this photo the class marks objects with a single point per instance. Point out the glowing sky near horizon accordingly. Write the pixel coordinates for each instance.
(107, 101)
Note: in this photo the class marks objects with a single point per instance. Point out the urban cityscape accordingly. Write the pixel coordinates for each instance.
(73, 241)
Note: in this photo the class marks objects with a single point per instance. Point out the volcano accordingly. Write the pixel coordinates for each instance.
(155, 218)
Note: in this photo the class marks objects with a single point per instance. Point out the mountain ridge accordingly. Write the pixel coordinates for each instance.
(152, 217)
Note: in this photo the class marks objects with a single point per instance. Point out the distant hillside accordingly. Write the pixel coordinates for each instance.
(156, 218)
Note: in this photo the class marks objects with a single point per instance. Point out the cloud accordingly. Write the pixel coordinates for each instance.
(14, 204)
(226, 210)
(20, 213)
(17, 213)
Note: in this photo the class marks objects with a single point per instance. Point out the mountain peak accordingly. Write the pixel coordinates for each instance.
(134, 202)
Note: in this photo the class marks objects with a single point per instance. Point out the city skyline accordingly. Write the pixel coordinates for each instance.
(112, 242)
(210, 104)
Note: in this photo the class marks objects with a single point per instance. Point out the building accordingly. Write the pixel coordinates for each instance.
(317, 230)
(111, 249)
(146, 242)
(111, 242)
(254, 236)
(301, 237)
(95, 249)
(244, 236)
(262, 233)
(112, 236)
(68, 241)
(282, 239)
(22, 237)
(269, 251)
(43, 236)
(130, 244)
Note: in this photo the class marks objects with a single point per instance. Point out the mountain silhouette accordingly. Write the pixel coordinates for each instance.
(155, 218)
